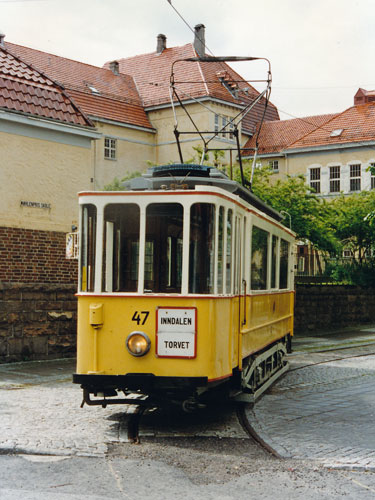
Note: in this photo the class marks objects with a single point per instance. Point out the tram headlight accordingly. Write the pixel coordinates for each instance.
(138, 343)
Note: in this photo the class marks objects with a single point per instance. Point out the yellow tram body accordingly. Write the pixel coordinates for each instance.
(227, 315)
(220, 347)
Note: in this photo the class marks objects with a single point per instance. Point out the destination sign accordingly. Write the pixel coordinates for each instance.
(176, 332)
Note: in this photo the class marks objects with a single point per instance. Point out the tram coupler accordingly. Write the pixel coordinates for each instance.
(104, 402)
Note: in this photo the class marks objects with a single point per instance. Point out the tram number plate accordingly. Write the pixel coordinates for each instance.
(176, 332)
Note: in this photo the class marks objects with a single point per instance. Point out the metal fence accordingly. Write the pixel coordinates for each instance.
(317, 267)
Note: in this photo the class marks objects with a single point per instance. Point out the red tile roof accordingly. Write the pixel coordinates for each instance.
(117, 97)
(23, 89)
(152, 72)
(275, 136)
(357, 124)
(111, 109)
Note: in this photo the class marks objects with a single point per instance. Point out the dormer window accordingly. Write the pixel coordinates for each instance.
(337, 132)
(94, 90)
(228, 83)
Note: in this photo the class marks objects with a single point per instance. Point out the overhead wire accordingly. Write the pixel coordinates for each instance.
(231, 121)
(24, 1)
(305, 120)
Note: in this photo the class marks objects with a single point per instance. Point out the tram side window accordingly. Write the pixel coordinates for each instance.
(273, 261)
(163, 252)
(121, 247)
(202, 248)
(284, 257)
(228, 280)
(259, 257)
(88, 236)
(220, 251)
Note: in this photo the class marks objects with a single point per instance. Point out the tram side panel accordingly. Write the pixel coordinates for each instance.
(270, 318)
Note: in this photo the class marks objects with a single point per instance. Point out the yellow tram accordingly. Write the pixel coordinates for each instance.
(185, 286)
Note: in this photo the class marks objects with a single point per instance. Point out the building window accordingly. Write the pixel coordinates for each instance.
(355, 177)
(216, 123)
(110, 148)
(231, 128)
(372, 165)
(315, 179)
(274, 165)
(224, 127)
(334, 179)
(224, 134)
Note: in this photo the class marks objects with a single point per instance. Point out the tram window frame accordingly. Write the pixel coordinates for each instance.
(259, 271)
(229, 252)
(119, 274)
(202, 260)
(164, 220)
(237, 254)
(274, 254)
(220, 251)
(89, 217)
(284, 264)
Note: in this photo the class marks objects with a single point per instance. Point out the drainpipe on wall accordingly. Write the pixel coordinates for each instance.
(94, 168)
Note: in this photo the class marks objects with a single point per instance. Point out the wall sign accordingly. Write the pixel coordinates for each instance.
(35, 204)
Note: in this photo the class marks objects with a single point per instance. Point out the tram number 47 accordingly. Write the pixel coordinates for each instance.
(140, 317)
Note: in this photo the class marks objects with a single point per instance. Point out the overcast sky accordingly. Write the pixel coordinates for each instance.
(321, 51)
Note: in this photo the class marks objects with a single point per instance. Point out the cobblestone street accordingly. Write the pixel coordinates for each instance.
(323, 410)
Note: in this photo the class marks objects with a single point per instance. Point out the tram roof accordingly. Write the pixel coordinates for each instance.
(188, 176)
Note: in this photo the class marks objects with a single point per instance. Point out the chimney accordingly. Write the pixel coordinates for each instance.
(161, 43)
(2, 36)
(199, 40)
(114, 67)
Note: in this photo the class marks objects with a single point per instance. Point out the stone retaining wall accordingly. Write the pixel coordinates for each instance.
(40, 321)
(37, 321)
(324, 307)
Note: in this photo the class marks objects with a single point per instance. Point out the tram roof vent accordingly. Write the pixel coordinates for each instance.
(184, 170)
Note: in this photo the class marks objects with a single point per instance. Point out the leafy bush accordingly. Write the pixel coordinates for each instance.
(353, 273)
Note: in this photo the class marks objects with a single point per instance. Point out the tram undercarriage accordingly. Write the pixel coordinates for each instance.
(258, 373)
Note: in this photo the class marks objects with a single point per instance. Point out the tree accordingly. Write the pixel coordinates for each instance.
(306, 214)
(352, 221)
(116, 184)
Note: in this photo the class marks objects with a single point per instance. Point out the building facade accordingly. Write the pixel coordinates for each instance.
(333, 152)
(45, 152)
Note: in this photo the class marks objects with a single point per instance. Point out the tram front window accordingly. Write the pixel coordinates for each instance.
(163, 250)
(202, 248)
(88, 225)
(121, 247)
